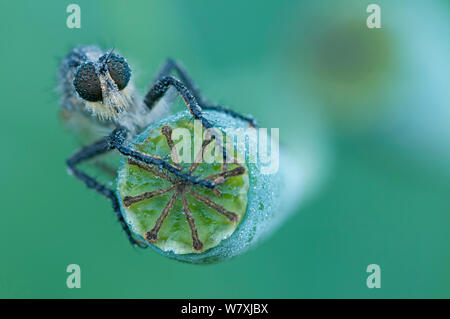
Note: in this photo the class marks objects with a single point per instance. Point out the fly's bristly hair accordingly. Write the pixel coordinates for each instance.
(98, 93)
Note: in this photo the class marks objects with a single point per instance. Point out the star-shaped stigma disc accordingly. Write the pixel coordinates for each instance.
(181, 187)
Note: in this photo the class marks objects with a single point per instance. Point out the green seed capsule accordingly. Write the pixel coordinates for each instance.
(191, 222)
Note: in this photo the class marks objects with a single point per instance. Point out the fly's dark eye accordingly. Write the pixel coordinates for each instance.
(118, 69)
(87, 84)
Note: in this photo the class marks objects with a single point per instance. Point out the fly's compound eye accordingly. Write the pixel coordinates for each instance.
(118, 69)
(87, 83)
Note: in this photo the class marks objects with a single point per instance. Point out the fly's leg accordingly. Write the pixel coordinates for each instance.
(117, 141)
(247, 118)
(172, 65)
(160, 88)
(90, 152)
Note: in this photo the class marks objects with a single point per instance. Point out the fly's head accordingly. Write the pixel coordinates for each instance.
(104, 85)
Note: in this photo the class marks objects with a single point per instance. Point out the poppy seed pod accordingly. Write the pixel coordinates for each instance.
(193, 222)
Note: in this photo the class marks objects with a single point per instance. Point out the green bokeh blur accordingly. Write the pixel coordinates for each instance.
(376, 100)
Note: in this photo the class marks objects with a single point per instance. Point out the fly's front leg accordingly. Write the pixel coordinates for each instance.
(172, 65)
(117, 141)
(90, 152)
(160, 88)
(247, 118)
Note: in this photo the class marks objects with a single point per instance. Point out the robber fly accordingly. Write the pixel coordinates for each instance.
(99, 99)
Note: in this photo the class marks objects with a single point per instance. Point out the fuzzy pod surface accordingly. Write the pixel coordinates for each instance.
(259, 199)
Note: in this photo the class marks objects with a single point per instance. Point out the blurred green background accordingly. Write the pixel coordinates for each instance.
(370, 108)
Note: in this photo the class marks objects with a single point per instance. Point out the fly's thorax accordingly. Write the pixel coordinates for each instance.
(136, 117)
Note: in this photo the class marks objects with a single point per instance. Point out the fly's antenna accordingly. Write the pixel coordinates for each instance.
(105, 62)
(109, 55)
